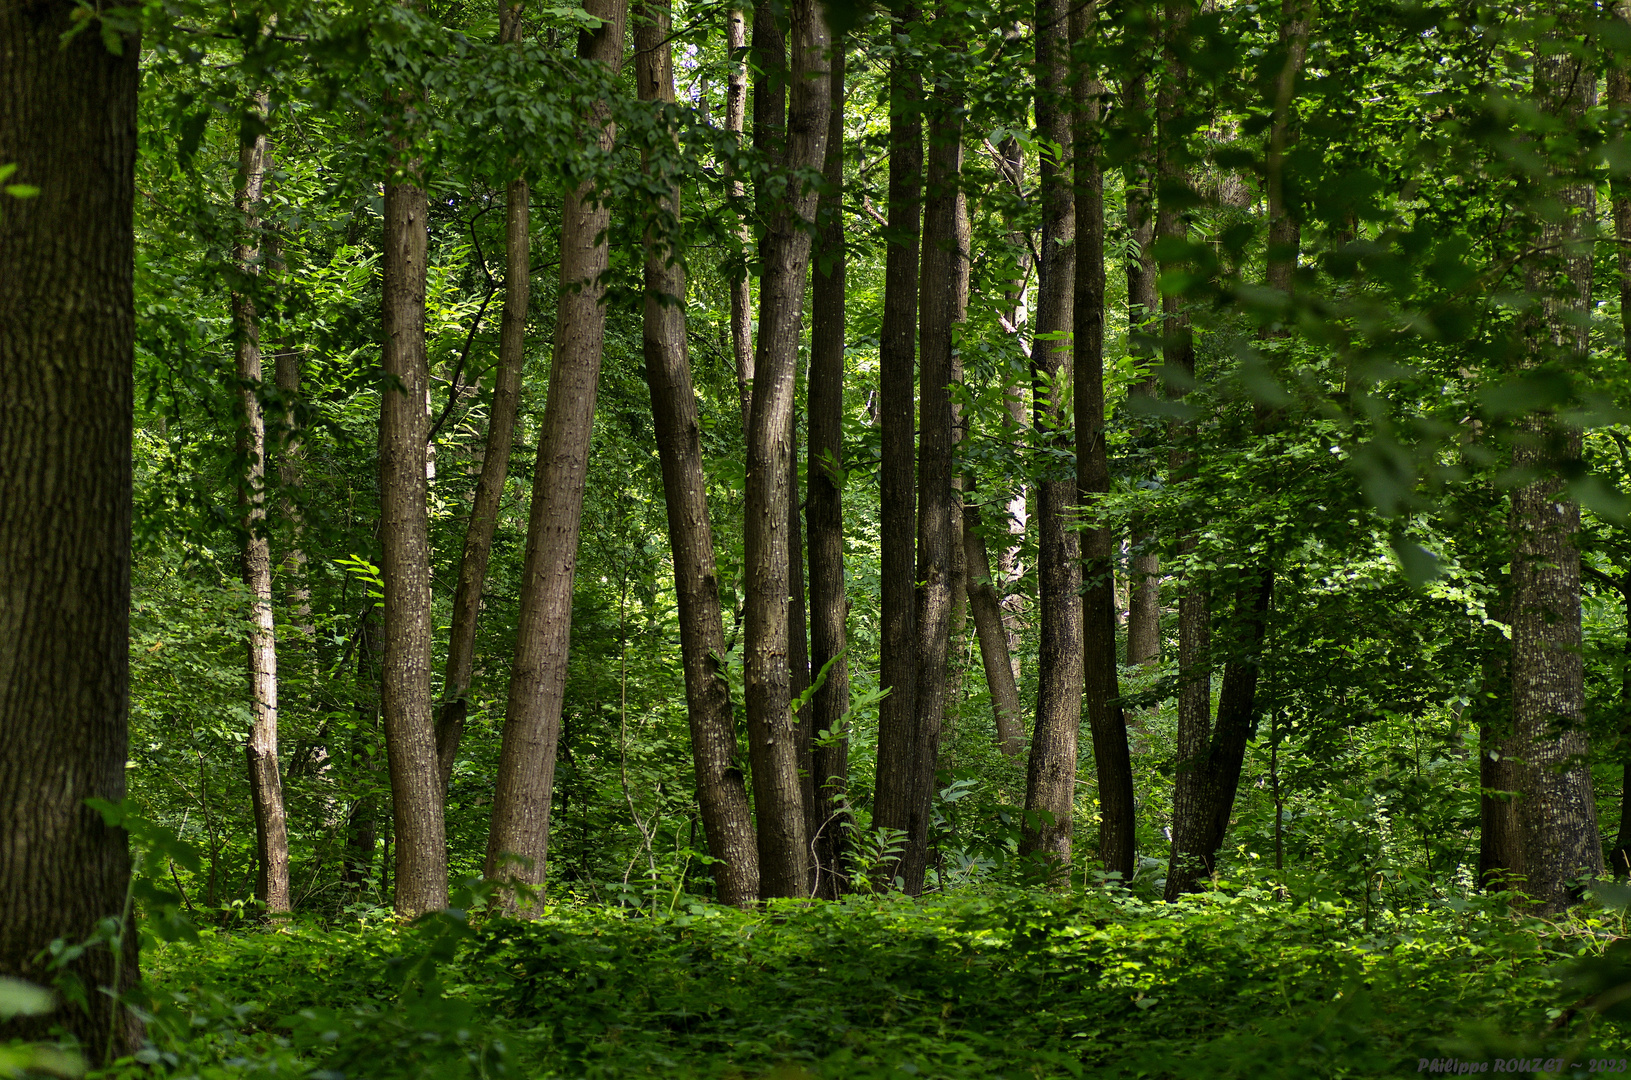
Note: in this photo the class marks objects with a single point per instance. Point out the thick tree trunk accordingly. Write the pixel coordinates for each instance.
(736, 111)
(67, 328)
(893, 791)
(784, 855)
(936, 503)
(829, 607)
(1556, 810)
(495, 461)
(518, 841)
(1099, 678)
(1143, 305)
(1050, 787)
(261, 750)
(721, 789)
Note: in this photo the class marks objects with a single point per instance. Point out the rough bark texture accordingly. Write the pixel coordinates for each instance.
(784, 854)
(1050, 786)
(936, 503)
(894, 796)
(1143, 304)
(255, 552)
(67, 326)
(1556, 810)
(495, 460)
(410, 733)
(1100, 685)
(824, 514)
(518, 841)
(736, 112)
(721, 788)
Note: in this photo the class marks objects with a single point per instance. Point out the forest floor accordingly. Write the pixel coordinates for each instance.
(996, 984)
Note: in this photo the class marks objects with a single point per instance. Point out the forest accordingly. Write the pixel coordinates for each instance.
(610, 538)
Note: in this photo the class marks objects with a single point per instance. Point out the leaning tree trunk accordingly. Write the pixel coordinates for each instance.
(1099, 682)
(67, 330)
(1556, 810)
(784, 855)
(824, 513)
(518, 840)
(893, 792)
(1050, 783)
(261, 750)
(1143, 305)
(721, 790)
(495, 461)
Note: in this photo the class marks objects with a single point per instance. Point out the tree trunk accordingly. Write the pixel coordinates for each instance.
(736, 111)
(784, 856)
(985, 603)
(1099, 678)
(261, 749)
(362, 820)
(1050, 785)
(1556, 810)
(939, 315)
(1619, 858)
(532, 715)
(721, 790)
(67, 328)
(824, 514)
(1500, 841)
(1143, 303)
(1619, 94)
(894, 788)
(495, 461)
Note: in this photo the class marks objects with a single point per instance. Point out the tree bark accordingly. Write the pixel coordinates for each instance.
(261, 749)
(736, 111)
(1050, 787)
(824, 514)
(1619, 95)
(495, 461)
(935, 496)
(721, 789)
(784, 855)
(67, 328)
(1500, 841)
(1100, 685)
(532, 715)
(1143, 303)
(893, 789)
(1556, 810)
(985, 603)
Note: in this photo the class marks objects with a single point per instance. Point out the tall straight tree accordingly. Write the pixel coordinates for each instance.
(784, 856)
(1557, 814)
(736, 111)
(721, 789)
(824, 514)
(410, 733)
(495, 461)
(894, 789)
(936, 499)
(1050, 782)
(1618, 95)
(67, 333)
(265, 784)
(532, 714)
(1099, 682)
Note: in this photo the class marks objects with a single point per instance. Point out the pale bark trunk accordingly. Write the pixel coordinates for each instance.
(261, 749)
(829, 607)
(495, 461)
(67, 328)
(736, 111)
(518, 841)
(721, 790)
(784, 855)
(1050, 785)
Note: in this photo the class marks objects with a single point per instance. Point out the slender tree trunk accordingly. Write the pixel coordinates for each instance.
(784, 855)
(985, 603)
(1500, 841)
(721, 790)
(261, 750)
(1619, 95)
(798, 641)
(1556, 810)
(1619, 858)
(362, 820)
(532, 715)
(67, 329)
(1009, 568)
(1050, 784)
(894, 793)
(829, 607)
(495, 461)
(736, 111)
(410, 733)
(935, 497)
(1143, 305)
(1099, 681)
